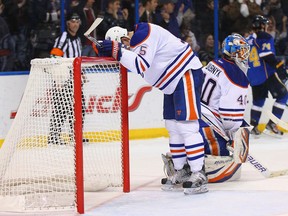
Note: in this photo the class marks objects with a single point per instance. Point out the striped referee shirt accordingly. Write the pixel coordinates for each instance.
(67, 46)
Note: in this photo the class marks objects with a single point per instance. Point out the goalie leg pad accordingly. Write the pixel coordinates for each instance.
(240, 145)
(221, 168)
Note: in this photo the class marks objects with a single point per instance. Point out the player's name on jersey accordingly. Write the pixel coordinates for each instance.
(213, 69)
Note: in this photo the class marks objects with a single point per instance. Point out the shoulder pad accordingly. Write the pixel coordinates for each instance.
(233, 72)
(142, 31)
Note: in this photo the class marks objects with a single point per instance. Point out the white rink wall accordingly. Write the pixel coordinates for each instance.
(145, 103)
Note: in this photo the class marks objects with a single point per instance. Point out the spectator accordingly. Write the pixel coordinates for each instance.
(279, 37)
(191, 40)
(284, 5)
(237, 15)
(206, 18)
(273, 8)
(16, 15)
(188, 35)
(88, 13)
(168, 18)
(45, 21)
(130, 6)
(113, 16)
(148, 14)
(253, 7)
(7, 45)
(206, 53)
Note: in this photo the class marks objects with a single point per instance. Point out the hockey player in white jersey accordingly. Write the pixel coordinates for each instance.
(223, 101)
(170, 65)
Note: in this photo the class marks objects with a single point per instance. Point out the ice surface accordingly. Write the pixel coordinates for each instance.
(251, 195)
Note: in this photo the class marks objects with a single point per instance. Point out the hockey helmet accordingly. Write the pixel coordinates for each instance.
(116, 33)
(236, 47)
(258, 21)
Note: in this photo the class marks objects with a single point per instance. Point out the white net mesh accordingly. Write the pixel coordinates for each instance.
(37, 159)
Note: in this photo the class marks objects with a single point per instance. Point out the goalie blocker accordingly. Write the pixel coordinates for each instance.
(222, 164)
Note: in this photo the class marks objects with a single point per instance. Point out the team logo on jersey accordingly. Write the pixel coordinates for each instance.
(178, 112)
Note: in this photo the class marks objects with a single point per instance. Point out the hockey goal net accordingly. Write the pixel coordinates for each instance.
(70, 133)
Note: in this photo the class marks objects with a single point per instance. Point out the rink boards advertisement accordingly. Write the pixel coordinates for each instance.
(144, 105)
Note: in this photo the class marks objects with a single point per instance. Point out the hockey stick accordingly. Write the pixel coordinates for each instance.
(251, 159)
(264, 170)
(92, 27)
(276, 120)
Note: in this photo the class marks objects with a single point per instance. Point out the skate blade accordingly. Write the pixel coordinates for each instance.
(269, 133)
(172, 188)
(198, 190)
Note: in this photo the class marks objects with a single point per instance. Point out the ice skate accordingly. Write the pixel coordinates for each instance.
(196, 184)
(271, 129)
(255, 132)
(174, 182)
(175, 178)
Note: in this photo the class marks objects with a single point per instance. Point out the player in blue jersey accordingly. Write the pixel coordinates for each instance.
(263, 77)
(169, 64)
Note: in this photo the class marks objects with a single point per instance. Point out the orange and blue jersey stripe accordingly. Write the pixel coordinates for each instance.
(175, 68)
(191, 104)
(231, 114)
(177, 150)
(194, 151)
(141, 64)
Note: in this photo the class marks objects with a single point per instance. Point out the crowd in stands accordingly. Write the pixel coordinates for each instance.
(28, 28)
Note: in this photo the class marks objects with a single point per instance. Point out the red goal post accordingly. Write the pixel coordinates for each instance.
(78, 127)
(57, 148)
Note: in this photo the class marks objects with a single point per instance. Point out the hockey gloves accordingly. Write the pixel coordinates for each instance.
(108, 48)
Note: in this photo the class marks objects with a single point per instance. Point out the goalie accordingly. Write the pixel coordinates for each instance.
(223, 102)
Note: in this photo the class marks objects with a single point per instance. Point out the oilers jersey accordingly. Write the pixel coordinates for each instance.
(159, 57)
(224, 91)
(262, 45)
(223, 102)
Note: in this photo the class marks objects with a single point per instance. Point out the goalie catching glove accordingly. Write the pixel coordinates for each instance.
(109, 48)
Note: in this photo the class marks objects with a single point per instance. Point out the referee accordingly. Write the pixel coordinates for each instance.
(67, 45)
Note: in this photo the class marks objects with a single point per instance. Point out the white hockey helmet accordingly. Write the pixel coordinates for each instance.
(116, 33)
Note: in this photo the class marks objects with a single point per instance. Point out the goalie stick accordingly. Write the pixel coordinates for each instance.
(92, 27)
(276, 120)
(251, 159)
